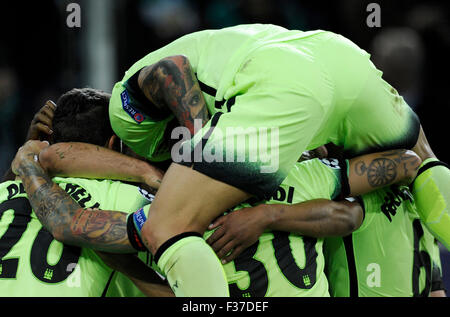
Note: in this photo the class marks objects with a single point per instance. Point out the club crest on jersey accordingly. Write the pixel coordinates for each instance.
(133, 113)
(333, 163)
(139, 219)
(146, 194)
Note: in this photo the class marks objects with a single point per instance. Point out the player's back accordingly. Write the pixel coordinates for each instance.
(386, 256)
(33, 263)
(216, 55)
(282, 264)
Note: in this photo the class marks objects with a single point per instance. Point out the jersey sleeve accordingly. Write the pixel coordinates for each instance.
(105, 194)
(328, 177)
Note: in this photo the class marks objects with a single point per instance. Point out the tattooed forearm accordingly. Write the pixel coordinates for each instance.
(103, 227)
(410, 161)
(381, 171)
(172, 83)
(67, 221)
(388, 167)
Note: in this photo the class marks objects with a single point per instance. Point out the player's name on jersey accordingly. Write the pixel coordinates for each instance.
(14, 190)
(75, 191)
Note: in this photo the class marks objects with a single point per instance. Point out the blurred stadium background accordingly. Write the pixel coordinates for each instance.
(41, 57)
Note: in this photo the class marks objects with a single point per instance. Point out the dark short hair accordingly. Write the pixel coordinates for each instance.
(81, 115)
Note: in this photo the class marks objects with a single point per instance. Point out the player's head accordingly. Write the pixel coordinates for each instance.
(81, 115)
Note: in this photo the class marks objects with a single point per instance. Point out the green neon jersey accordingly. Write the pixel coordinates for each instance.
(281, 263)
(33, 263)
(388, 256)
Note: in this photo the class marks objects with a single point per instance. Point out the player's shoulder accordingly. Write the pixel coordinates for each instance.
(95, 185)
(318, 165)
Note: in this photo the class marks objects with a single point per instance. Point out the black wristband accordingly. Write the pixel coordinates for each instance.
(133, 236)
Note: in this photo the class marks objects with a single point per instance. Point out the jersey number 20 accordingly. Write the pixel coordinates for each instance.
(38, 256)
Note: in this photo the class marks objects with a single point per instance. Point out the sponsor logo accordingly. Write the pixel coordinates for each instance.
(133, 113)
(139, 219)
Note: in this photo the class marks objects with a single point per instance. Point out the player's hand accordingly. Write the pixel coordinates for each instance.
(41, 125)
(152, 177)
(28, 154)
(236, 231)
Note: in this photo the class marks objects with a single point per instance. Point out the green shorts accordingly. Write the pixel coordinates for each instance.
(290, 97)
(285, 97)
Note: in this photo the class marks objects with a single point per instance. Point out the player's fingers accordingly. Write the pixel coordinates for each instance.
(233, 255)
(33, 146)
(42, 118)
(47, 112)
(43, 128)
(225, 250)
(51, 104)
(49, 108)
(215, 236)
(216, 223)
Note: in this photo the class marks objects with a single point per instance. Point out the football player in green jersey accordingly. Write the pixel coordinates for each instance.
(32, 262)
(303, 89)
(282, 238)
(390, 255)
(321, 218)
(437, 282)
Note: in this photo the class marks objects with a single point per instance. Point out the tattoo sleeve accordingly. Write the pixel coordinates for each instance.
(377, 170)
(67, 221)
(172, 83)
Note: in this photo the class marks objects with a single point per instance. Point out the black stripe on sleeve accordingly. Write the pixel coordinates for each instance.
(105, 291)
(207, 89)
(230, 103)
(219, 104)
(345, 186)
(141, 102)
(352, 275)
(205, 138)
(430, 165)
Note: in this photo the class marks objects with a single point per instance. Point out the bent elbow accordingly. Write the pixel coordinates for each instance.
(355, 217)
(412, 162)
(349, 216)
(57, 235)
(171, 65)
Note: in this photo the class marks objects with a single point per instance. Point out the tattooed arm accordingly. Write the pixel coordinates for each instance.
(377, 170)
(91, 161)
(64, 218)
(171, 83)
(315, 218)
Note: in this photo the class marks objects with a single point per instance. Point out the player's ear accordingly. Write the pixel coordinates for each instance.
(112, 143)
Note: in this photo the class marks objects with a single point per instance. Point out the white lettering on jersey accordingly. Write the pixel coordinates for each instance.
(74, 279)
(374, 278)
